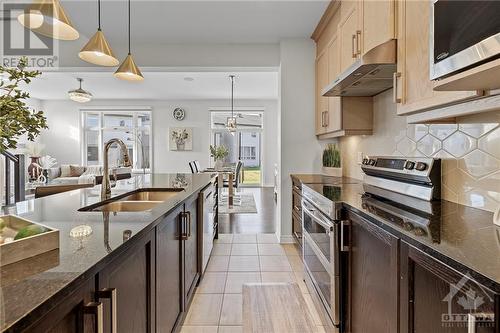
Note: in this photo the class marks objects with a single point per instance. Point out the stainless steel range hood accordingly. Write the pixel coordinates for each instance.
(369, 75)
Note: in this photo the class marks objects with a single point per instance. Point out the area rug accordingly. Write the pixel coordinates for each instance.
(246, 206)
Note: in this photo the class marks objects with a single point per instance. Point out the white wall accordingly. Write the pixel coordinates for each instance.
(63, 139)
(300, 151)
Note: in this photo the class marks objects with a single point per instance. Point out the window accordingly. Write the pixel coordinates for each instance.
(131, 126)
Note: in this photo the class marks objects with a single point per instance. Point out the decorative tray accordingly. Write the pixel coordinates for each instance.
(21, 239)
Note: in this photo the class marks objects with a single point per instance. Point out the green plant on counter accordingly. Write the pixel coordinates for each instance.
(218, 152)
(16, 118)
(331, 156)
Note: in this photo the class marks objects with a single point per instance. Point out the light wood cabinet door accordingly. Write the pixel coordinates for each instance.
(334, 115)
(414, 89)
(348, 34)
(321, 82)
(377, 23)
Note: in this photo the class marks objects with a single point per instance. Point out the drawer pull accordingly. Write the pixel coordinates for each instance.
(395, 97)
(110, 293)
(95, 309)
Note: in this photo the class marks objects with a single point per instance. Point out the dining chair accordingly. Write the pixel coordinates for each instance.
(192, 166)
(197, 165)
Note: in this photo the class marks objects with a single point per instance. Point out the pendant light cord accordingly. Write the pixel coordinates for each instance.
(232, 96)
(99, 14)
(128, 26)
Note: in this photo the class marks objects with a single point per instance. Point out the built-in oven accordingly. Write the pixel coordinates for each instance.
(321, 257)
(464, 33)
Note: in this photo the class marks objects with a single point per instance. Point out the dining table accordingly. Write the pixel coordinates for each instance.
(228, 171)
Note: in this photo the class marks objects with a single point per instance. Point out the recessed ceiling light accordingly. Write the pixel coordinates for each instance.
(188, 79)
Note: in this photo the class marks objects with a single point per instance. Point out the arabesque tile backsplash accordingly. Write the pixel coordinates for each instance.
(470, 151)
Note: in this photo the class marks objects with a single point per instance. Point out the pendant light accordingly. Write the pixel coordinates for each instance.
(97, 51)
(79, 95)
(231, 121)
(128, 70)
(48, 18)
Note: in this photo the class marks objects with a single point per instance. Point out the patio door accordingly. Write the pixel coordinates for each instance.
(244, 145)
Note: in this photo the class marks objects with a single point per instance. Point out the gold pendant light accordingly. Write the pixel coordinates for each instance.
(97, 51)
(128, 70)
(48, 18)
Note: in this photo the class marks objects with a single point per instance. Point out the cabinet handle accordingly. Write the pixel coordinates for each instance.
(358, 42)
(395, 77)
(189, 223)
(296, 208)
(353, 41)
(95, 309)
(110, 293)
(343, 224)
(183, 226)
(473, 317)
(327, 119)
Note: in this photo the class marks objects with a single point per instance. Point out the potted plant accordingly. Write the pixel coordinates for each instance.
(180, 137)
(16, 118)
(331, 161)
(219, 153)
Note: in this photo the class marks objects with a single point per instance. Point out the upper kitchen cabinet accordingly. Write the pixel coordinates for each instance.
(378, 23)
(349, 34)
(414, 91)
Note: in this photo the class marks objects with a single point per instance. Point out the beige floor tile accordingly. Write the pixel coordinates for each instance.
(267, 238)
(296, 263)
(235, 281)
(291, 249)
(212, 283)
(230, 329)
(224, 238)
(222, 249)
(199, 329)
(277, 277)
(312, 308)
(299, 279)
(218, 264)
(244, 264)
(239, 249)
(245, 238)
(274, 264)
(270, 250)
(205, 310)
(232, 310)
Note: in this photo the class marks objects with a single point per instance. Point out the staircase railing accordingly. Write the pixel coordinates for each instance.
(18, 163)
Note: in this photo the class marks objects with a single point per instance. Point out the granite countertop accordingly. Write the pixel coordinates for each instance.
(35, 284)
(322, 179)
(462, 237)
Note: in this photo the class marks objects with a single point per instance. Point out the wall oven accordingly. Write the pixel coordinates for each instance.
(321, 257)
(463, 34)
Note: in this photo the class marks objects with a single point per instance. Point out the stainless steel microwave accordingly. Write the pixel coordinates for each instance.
(464, 34)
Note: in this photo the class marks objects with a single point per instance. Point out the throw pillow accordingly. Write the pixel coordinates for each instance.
(65, 170)
(76, 170)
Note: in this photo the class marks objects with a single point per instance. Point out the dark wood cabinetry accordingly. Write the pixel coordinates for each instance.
(297, 210)
(373, 278)
(132, 276)
(436, 298)
(190, 250)
(169, 300)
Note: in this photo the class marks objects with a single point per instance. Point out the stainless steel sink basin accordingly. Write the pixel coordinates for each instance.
(137, 201)
(127, 206)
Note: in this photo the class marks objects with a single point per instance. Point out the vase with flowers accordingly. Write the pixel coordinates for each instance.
(180, 137)
(218, 153)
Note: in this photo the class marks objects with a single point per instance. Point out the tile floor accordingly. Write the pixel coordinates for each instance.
(238, 259)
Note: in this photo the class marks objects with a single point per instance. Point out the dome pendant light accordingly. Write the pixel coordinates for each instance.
(79, 95)
(231, 121)
(97, 51)
(48, 18)
(128, 70)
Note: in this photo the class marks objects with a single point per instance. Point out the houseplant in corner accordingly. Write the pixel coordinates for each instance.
(16, 118)
(219, 153)
(331, 161)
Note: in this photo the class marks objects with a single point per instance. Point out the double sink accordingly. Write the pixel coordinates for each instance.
(136, 201)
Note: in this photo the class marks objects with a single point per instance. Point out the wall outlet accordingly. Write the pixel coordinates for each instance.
(360, 157)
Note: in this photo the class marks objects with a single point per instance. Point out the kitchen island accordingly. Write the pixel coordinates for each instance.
(132, 265)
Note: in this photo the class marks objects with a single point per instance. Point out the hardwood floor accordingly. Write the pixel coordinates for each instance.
(262, 222)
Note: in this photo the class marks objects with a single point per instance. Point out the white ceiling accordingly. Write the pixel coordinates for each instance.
(206, 21)
(165, 85)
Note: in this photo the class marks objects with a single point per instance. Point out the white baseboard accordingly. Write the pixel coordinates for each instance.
(287, 239)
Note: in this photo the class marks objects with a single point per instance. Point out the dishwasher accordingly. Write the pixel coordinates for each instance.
(207, 206)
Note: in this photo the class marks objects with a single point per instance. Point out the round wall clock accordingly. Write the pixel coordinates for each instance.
(179, 114)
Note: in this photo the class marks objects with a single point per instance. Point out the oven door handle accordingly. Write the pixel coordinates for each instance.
(310, 213)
